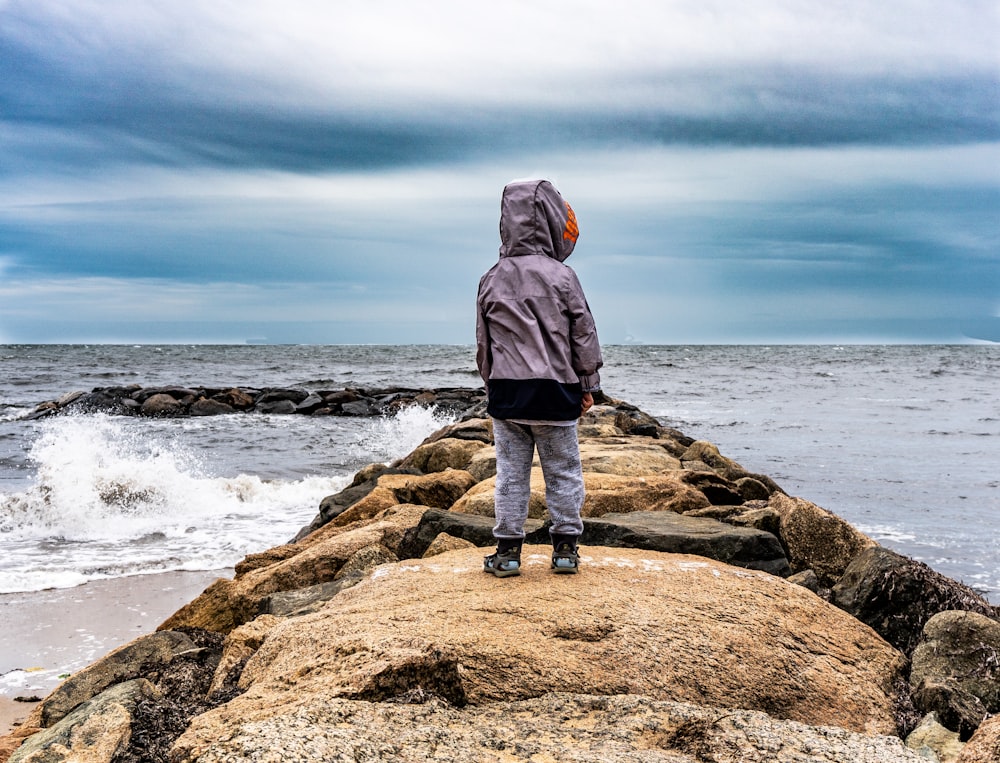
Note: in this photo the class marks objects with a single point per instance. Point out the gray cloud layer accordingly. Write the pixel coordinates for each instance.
(788, 154)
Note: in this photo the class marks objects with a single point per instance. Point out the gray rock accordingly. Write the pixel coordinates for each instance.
(294, 395)
(358, 408)
(476, 529)
(95, 732)
(310, 404)
(574, 728)
(897, 595)
(678, 534)
(806, 579)
(303, 601)
(208, 407)
(956, 669)
(930, 738)
(122, 664)
(957, 709)
(276, 407)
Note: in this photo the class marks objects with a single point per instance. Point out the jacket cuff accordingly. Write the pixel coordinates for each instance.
(590, 383)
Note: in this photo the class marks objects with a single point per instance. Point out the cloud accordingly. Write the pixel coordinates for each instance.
(314, 87)
(782, 168)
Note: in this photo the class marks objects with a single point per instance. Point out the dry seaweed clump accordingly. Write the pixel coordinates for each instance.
(184, 685)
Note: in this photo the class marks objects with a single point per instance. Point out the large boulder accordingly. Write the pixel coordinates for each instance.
(332, 506)
(125, 663)
(555, 727)
(439, 490)
(897, 595)
(445, 453)
(984, 747)
(227, 604)
(668, 627)
(162, 404)
(95, 732)
(679, 534)
(816, 539)
(963, 647)
(626, 456)
(605, 494)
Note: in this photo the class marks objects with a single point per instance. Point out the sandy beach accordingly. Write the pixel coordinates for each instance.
(46, 635)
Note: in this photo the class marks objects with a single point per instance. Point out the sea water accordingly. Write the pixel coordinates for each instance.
(902, 441)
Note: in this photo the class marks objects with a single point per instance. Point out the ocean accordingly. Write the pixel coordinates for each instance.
(902, 441)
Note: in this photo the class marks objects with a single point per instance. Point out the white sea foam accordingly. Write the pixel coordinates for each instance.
(390, 437)
(112, 497)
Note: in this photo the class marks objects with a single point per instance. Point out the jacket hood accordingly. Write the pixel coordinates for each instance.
(534, 219)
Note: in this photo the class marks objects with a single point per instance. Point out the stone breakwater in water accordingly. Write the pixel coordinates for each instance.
(179, 401)
(715, 618)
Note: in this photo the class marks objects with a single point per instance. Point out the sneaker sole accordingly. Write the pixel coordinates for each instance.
(565, 570)
(502, 573)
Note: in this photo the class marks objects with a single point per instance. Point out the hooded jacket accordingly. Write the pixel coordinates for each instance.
(537, 346)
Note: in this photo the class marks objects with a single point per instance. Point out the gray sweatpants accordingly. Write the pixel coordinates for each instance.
(559, 452)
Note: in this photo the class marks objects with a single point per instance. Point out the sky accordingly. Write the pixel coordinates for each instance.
(330, 171)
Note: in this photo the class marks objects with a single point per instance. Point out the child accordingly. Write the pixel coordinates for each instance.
(537, 351)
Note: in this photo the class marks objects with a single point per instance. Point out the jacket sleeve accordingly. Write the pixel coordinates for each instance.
(585, 346)
(484, 355)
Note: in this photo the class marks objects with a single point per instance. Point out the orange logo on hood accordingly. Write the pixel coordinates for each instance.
(572, 232)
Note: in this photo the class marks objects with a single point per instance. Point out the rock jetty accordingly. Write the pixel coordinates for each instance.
(715, 618)
(180, 401)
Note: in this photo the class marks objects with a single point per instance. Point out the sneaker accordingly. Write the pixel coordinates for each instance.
(565, 559)
(503, 565)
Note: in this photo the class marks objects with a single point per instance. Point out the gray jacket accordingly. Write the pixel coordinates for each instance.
(537, 346)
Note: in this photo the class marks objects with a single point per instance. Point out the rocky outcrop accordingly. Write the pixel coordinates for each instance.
(956, 669)
(896, 595)
(374, 631)
(667, 627)
(177, 401)
(676, 534)
(554, 727)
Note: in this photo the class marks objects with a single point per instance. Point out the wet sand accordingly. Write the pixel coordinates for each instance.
(46, 635)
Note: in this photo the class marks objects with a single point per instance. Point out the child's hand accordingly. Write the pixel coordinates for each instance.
(588, 403)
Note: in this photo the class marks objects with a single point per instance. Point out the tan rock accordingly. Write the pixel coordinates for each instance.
(227, 604)
(605, 494)
(626, 456)
(364, 560)
(984, 747)
(439, 490)
(238, 647)
(443, 543)
(668, 627)
(707, 453)
(267, 558)
(817, 539)
(548, 729)
(599, 430)
(377, 501)
(446, 453)
(483, 464)
(930, 736)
